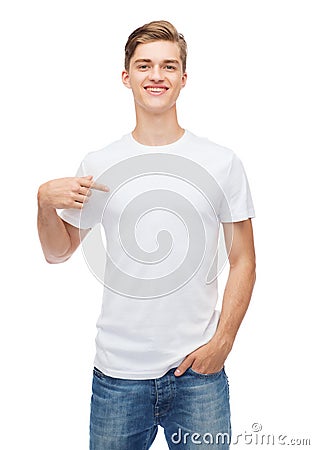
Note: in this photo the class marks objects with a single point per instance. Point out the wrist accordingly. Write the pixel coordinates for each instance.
(223, 341)
(42, 199)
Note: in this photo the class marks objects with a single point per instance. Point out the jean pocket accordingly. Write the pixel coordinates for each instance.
(98, 373)
(207, 375)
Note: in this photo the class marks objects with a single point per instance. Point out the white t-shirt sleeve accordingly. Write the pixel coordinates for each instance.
(237, 204)
(79, 218)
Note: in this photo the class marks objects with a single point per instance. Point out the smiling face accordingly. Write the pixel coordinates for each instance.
(155, 76)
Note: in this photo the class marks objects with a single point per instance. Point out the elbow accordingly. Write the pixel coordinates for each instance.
(251, 268)
(52, 259)
(55, 260)
(52, 256)
(247, 265)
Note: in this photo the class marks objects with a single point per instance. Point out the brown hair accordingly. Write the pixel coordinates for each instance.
(159, 30)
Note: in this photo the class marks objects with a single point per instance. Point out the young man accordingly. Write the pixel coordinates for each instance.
(161, 345)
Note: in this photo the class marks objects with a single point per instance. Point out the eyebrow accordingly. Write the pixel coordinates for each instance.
(165, 61)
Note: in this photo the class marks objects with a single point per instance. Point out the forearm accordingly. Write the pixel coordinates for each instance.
(210, 357)
(54, 238)
(236, 299)
(59, 239)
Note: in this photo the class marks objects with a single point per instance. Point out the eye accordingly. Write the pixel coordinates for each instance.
(143, 67)
(169, 67)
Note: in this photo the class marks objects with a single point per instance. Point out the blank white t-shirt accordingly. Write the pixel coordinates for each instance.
(162, 225)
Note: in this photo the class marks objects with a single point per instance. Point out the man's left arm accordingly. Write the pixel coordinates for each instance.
(210, 358)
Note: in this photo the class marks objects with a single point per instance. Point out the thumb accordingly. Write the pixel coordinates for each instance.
(186, 363)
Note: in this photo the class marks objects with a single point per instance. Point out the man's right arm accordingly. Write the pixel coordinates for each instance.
(58, 238)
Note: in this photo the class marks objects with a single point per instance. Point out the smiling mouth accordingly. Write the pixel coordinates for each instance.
(156, 90)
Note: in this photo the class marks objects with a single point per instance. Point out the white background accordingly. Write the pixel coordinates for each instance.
(250, 88)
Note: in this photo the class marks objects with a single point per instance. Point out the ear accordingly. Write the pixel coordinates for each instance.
(126, 79)
(183, 80)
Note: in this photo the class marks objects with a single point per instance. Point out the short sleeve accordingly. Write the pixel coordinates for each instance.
(89, 215)
(237, 204)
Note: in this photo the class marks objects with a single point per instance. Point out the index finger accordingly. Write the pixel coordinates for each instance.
(99, 187)
(90, 184)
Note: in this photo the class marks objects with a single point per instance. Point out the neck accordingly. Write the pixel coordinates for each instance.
(157, 129)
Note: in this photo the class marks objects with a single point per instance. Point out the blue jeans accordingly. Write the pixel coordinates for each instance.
(193, 410)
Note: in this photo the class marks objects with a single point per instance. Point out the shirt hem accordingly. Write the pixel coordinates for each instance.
(239, 218)
(134, 375)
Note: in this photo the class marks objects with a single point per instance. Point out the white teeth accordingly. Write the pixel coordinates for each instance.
(155, 89)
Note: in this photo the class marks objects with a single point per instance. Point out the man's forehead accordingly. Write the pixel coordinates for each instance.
(162, 50)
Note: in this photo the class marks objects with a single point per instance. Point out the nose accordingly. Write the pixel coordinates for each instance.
(156, 74)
